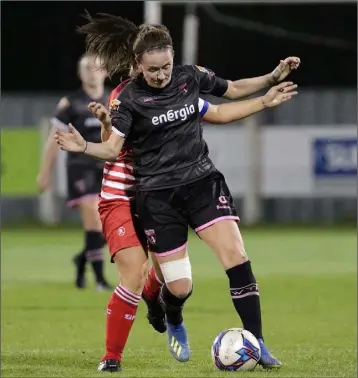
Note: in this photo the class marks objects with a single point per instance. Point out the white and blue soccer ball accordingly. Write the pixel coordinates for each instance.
(235, 349)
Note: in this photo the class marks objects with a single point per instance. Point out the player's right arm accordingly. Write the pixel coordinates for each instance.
(108, 150)
(120, 120)
(73, 141)
(209, 83)
(59, 121)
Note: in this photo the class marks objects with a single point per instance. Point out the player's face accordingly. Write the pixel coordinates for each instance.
(91, 73)
(157, 67)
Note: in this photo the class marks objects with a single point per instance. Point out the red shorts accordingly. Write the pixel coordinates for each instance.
(120, 225)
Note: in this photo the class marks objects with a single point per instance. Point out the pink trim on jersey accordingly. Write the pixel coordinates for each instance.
(172, 251)
(206, 225)
(75, 202)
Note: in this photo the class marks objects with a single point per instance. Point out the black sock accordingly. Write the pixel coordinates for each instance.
(173, 305)
(245, 296)
(81, 263)
(97, 267)
(94, 253)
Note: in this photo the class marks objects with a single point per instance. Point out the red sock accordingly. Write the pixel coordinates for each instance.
(152, 285)
(121, 311)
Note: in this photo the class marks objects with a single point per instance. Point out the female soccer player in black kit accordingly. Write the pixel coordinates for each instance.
(177, 184)
(84, 175)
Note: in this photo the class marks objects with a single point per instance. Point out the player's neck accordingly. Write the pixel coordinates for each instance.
(94, 92)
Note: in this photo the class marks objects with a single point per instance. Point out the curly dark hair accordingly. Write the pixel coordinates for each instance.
(120, 43)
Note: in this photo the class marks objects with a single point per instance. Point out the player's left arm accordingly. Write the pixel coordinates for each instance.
(234, 111)
(225, 113)
(246, 87)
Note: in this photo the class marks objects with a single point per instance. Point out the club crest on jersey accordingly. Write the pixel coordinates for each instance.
(121, 231)
(114, 105)
(203, 69)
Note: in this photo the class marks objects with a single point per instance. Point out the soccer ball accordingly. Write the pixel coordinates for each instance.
(235, 349)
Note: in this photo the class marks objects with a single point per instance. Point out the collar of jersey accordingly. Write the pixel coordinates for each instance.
(145, 85)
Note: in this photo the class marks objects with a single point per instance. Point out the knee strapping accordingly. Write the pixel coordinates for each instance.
(176, 270)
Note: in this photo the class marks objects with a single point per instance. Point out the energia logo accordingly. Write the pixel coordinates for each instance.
(172, 115)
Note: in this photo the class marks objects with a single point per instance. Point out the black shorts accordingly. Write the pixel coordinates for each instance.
(82, 181)
(166, 214)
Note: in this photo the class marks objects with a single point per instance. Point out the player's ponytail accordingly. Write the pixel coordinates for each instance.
(110, 38)
(120, 43)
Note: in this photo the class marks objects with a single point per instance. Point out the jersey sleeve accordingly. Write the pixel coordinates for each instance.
(121, 115)
(203, 107)
(62, 116)
(209, 83)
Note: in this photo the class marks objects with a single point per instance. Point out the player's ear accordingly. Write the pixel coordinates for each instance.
(139, 67)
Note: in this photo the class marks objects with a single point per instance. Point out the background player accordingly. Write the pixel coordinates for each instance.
(84, 175)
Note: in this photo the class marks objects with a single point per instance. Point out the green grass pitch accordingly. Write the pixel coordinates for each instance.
(307, 280)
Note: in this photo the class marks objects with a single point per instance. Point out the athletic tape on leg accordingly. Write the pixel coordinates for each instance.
(176, 270)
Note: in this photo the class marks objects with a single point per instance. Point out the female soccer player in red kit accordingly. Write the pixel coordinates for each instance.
(128, 248)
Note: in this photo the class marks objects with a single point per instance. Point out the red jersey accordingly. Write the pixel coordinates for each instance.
(118, 179)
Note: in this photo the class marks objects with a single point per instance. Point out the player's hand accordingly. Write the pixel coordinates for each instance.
(100, 112)
(279, 94)
(284, 68)
(71, 141)
(43, 181)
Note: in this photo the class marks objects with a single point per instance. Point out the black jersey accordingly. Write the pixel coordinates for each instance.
(74, 109)
(164, 128)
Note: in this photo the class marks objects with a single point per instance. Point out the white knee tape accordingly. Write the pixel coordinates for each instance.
(176, 270)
